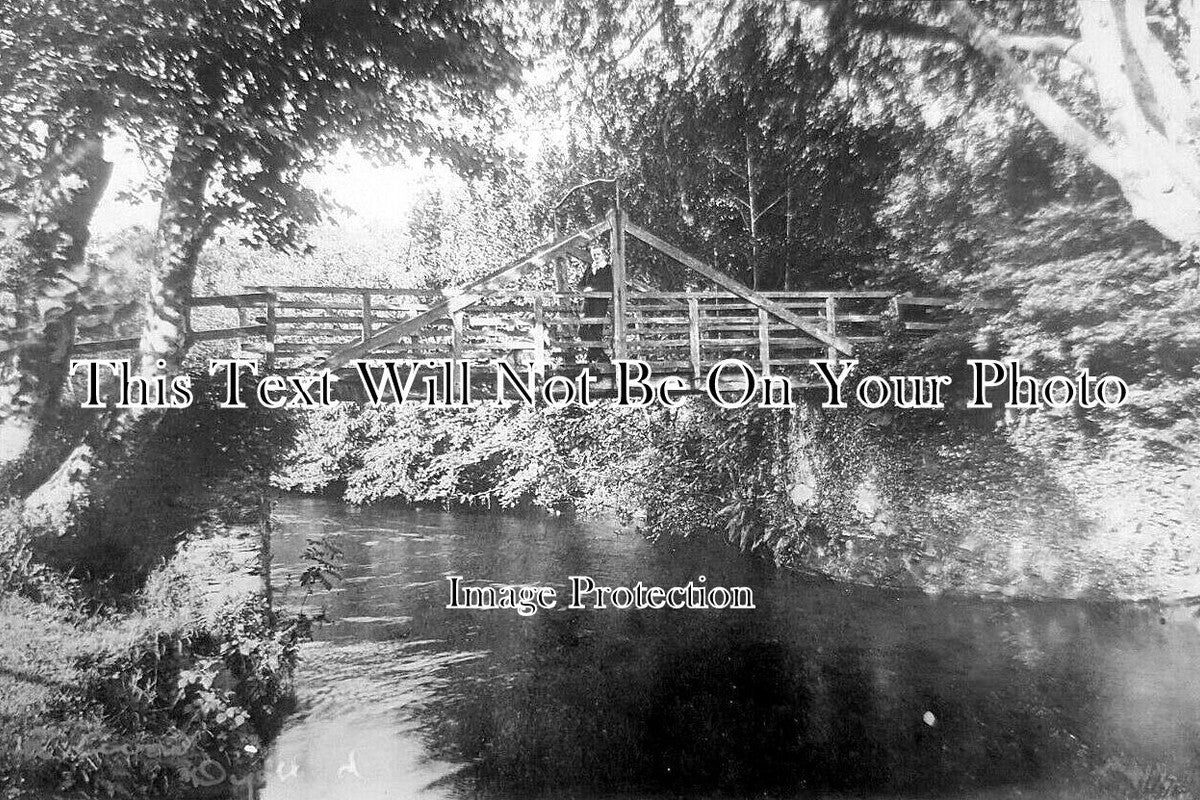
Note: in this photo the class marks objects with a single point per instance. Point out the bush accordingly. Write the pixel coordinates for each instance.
(478, 457)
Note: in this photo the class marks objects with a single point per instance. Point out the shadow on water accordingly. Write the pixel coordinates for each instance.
(821, 689)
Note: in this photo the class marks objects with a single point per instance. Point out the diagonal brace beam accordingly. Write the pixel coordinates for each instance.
(839, 343)
(463, 296)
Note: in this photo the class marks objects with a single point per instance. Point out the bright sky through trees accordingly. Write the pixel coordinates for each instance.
(371, 192)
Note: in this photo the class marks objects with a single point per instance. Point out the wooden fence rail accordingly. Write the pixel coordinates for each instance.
(686, 333)
(294, 327)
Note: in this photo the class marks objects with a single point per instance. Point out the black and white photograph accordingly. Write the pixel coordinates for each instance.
(600, 399)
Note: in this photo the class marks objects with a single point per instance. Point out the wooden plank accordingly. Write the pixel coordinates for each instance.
(616, 255)
(329, 305)
(716, 323)
(764, 341)
(269, 348)
(456, 334)
(831, 323)
(281, 321)
(560, 320)
(659, 347)
(104, 346)
(792, 362)
(467, 296)
(644, 320)
(227, 333)
(818, 296)
(740, 289)
(366, 316)
(539, 337)
(351, 290)
(906, 300)
(576, 297)
(244, 300)
(242, 322)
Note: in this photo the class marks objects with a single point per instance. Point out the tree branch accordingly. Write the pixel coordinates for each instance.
(1037, 44)
(1043, 44)
(762, 212)
(985, 41)
(1175, 103)
(1190, 9)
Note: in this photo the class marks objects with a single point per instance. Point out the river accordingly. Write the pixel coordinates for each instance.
(821, 690)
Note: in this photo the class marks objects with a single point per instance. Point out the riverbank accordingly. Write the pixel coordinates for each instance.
(139, 654)
(1026, 508)
(172, 695)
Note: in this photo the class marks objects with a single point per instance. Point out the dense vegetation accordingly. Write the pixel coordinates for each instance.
(761, 156)
(142, 655)
(1033, 159)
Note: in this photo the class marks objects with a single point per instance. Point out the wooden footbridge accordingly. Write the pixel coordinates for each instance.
(541, 321)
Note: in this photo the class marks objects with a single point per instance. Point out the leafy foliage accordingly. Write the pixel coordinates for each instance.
(485, 456)
(261, 91)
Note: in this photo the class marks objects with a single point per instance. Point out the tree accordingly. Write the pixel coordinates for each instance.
(1116, 80)
(745, 147)
(248, 99)
(1144, 77)
(71, 76)
(55, 109)
(385, 76)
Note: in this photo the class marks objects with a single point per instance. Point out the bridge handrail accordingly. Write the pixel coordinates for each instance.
(336, 324)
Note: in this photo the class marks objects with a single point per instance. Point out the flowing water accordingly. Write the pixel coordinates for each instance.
(822, 690)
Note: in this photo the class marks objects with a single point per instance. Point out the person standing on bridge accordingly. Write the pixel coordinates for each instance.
(597, 277)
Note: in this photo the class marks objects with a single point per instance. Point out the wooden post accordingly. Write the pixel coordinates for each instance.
(456, 349)
(764, 341)
(367, 322)
(740, 289)
(619, 283)
(269, 350)
(694, 336)
(240, 342)
(456, 335)
(831, 324)
(539, 336)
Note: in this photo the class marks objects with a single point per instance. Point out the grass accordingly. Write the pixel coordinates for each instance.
(156, 699)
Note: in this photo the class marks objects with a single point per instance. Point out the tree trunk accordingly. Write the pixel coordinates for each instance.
(54, 277)
(752, 212)
(183, 228)
(789, 224)
(55, 506)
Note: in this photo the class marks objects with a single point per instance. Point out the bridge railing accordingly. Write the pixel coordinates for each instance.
(691, 331)
(239, 317)
(293, 327)
(680, 332)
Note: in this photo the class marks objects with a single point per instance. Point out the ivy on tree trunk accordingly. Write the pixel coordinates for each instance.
(55, 279)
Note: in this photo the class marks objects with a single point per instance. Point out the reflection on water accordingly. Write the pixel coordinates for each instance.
(820, 690)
